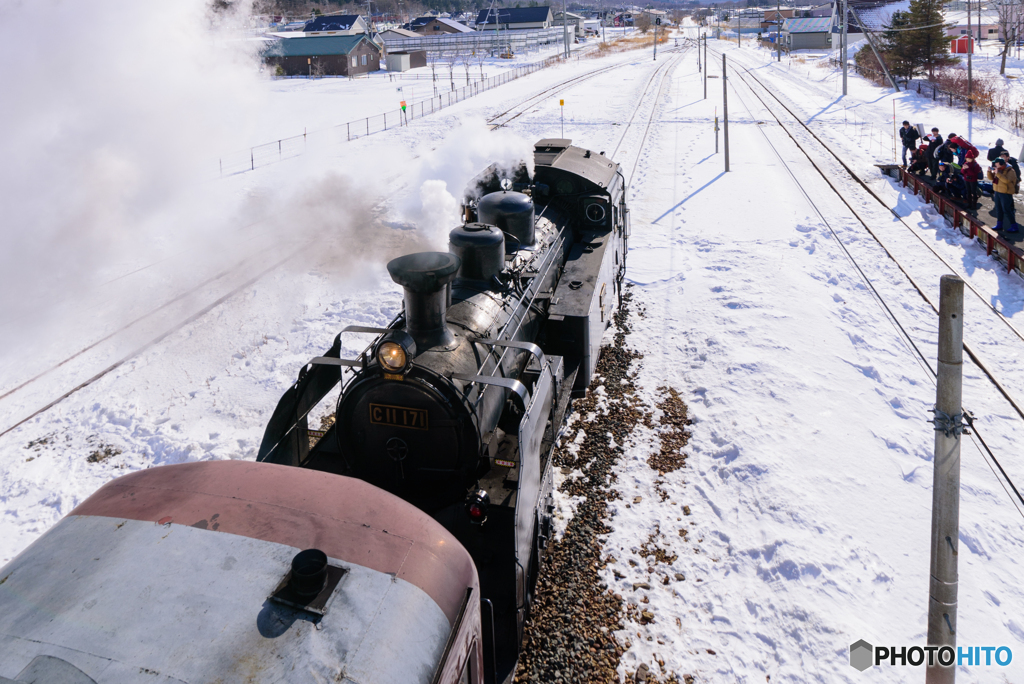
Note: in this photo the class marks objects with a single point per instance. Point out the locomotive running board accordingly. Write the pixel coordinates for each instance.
(518, 389)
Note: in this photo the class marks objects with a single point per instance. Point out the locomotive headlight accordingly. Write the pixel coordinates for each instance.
(391, 357)
(395, 352)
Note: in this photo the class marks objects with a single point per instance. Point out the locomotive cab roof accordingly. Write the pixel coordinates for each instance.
(596, 172)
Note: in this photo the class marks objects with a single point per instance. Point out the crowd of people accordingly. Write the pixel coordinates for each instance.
(953, 166)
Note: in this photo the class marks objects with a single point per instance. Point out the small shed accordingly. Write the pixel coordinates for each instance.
(807, 33)
(398, 34)
(962, 45)
(403, 61)
(324, 55)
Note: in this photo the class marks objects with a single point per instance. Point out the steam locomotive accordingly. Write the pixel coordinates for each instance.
(400, 545)
(455, 406)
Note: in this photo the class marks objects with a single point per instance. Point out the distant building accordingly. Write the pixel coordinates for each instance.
(397, 33)
(989, 25)
(623, 19)
(576, 21)
(339, 24)
(510, 18)
(807, 34)
(435, 26)
(324, 55)
(403, 61)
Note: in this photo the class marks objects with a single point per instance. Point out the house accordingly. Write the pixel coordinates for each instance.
(510, 18)
(989, 29)
(654, 15)
(323, 55)
(807, 33)
(576, 21)
(398, 34)
(623, 19)
(435, 26)
(338, 24)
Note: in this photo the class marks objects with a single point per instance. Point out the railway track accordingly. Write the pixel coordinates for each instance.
(858, 207)
(521, 107)
(211, 283)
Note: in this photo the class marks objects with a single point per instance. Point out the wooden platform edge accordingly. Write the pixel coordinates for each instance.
(1010, 256)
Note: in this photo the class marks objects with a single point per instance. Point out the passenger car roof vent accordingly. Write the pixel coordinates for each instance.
(310, 582)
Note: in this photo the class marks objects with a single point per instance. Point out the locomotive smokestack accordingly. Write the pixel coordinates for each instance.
(425, 276)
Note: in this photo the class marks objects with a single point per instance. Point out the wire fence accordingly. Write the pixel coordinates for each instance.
(478, 42)
(286, 148)
(1010, 118)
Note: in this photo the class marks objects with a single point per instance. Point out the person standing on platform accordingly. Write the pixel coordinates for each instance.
(934, 142)
(1004, 183)
(972, 174)
(994, 152)
(1005, 156)
(909, 136)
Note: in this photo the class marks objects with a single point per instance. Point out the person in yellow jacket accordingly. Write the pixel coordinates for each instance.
(1004, 184)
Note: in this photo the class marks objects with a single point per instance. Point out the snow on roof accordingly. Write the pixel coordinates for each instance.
(402, 32)
(877, 16)
(808, 25)
(338, 22)
(461, 28)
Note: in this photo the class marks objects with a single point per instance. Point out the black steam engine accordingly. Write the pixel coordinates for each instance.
(455, 406)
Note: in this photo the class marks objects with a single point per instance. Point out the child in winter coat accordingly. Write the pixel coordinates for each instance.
(971, 171)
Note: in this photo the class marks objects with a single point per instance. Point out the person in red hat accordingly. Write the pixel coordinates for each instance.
(971, 171)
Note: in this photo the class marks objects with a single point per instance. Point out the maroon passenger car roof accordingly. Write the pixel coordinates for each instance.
(347, 519)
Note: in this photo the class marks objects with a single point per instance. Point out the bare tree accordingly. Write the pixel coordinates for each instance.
(1009, 20)
(480, 55)
(451, 58)
(433, 58)
(642, 22)
(466, 59)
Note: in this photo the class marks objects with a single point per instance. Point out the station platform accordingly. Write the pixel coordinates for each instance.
(978, 223)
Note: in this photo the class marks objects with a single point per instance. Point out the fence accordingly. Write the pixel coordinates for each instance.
(478, 42)
(1010, 118)
(287, 148)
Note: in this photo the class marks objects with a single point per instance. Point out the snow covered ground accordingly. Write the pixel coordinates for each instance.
(809, 470)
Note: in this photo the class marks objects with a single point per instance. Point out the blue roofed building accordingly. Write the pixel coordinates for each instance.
(337, 24)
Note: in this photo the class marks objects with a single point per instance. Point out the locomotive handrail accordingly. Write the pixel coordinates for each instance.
(331, 361)
(515, 344)
(518, 388)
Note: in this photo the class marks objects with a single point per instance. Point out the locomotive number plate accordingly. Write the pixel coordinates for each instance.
(398, 416)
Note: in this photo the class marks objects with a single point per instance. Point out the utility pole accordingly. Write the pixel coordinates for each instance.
(657, 20)
(706, 72)
(725, 114)
(739, 30)
(970, 49)
(778, 30)
(843, 41)
(942, 594)
(565, 29)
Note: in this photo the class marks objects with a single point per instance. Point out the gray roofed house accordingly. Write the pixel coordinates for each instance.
(814, 33)
(514, 18)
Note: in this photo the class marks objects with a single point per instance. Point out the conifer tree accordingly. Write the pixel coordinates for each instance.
(916, 42)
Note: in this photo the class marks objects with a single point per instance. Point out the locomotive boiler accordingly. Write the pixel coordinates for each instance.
(455, 406)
